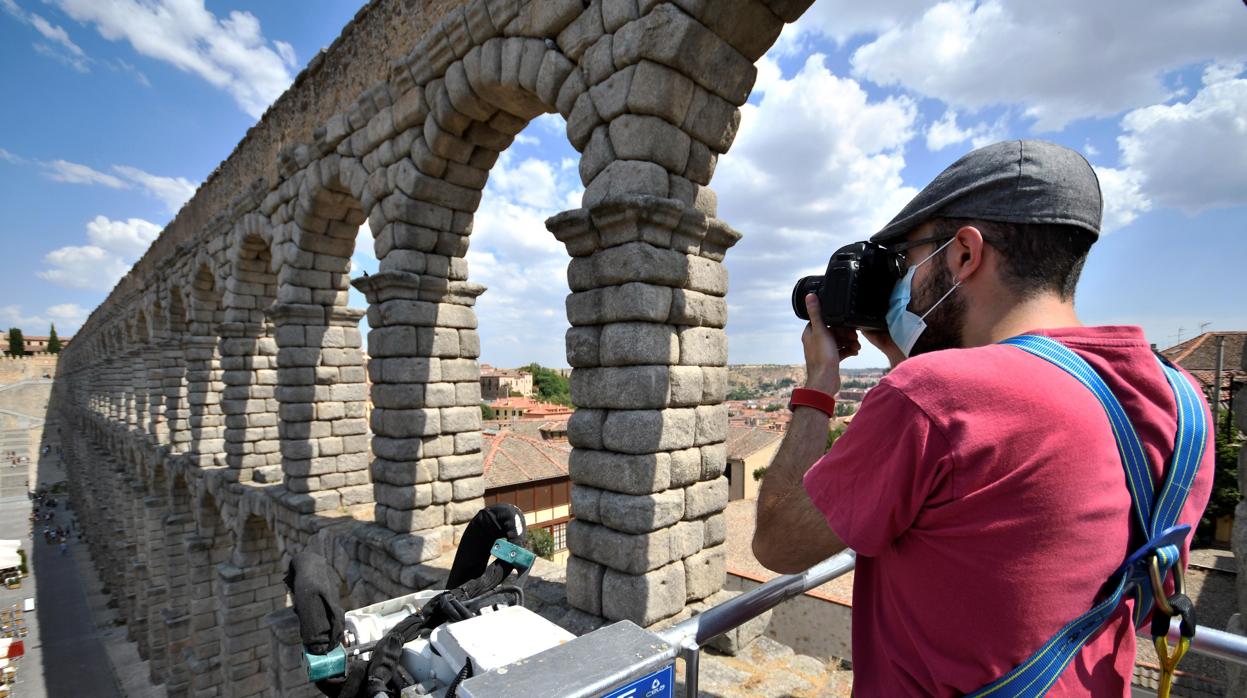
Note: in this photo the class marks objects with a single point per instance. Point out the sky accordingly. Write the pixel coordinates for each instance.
(115, 112)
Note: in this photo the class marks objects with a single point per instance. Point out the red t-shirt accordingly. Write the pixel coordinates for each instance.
(983, 492)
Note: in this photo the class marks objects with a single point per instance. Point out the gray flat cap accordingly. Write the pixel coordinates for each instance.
(1013, 182)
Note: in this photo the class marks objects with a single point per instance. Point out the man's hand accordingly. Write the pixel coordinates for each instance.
(883, 342)
(824, 348)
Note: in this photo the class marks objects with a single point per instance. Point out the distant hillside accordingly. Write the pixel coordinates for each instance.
(764, 377)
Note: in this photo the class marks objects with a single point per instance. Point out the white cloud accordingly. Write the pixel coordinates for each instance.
(129, 238)
(75, 173)
(87, 266)
(1190, 155)
(173, 191)
(10, 157)
(1055, 59)
(522, 316)
(841, 20)
(114, 246)
(1124, 201)
(231, 53)
(62, 47)
(68, 317)
(945, 132)
(816, 164)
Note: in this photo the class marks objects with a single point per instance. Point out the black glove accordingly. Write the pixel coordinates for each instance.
(314, 587)
(491, 523)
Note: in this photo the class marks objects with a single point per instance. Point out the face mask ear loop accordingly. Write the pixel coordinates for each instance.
(941, 300)
(950, 291)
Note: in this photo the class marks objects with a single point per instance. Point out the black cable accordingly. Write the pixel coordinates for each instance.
(464, 673)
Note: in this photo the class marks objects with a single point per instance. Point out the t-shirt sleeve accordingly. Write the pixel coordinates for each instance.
(874, 481)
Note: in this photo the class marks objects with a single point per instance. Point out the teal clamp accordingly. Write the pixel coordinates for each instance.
(325, 666)
(512, 554)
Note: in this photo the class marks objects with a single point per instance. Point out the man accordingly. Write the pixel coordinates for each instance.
(981, 486)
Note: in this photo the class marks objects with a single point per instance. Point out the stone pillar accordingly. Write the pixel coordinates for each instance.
(178, 526)
(174, 389)
(204, 386)
(426, 419)
(648, 355)
(203, 656)
(249, 369)
(1236, 675)
(153, 418)
(324, 406)
(249, 588)
(155, 593)
(137, 417)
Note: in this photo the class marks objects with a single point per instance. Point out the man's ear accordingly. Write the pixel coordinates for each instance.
(967, 252)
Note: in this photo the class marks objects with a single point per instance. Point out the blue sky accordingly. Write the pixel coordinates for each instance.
(114, 112)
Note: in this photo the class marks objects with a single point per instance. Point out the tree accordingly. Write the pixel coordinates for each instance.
(741, 392)
(487, 412)
(551, 386)
(17, 346)
(1225, 493)
(833, 435)
(54, 342)
(540, 542)
(844, 409)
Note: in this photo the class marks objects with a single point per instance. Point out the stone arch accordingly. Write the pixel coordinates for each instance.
(249, 355)
(321, 366)
(173, 360)
(204, 383)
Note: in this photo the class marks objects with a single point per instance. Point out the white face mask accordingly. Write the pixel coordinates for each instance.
(904, 326)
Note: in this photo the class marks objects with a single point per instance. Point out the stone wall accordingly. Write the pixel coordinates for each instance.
(14, 369)
(216, 404)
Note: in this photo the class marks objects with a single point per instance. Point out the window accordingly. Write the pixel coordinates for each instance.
(559, 533)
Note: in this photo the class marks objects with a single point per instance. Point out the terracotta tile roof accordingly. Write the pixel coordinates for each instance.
(743, 442)
(512, 458)
(1200, 353)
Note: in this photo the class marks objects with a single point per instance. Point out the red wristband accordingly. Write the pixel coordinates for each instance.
(813, 398)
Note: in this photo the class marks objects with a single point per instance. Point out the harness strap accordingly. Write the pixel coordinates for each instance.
(1155, 515)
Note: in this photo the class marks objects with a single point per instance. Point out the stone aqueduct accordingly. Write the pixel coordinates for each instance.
(214, 409)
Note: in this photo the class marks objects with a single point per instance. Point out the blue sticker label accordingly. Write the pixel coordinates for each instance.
(659, 684)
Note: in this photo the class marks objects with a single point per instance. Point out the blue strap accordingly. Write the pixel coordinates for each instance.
(1156, 516)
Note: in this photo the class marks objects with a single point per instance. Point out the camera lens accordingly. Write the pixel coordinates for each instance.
(806, 285)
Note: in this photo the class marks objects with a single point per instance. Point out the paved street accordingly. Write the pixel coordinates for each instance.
(64, 654)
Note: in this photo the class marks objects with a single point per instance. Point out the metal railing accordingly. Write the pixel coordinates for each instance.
(688, 637)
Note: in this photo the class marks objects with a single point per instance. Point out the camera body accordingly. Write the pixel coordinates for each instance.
(854, 291)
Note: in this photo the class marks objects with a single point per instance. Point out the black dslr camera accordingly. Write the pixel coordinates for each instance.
(855, 290)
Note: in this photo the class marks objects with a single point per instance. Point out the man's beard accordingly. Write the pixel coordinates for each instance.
(946, 321)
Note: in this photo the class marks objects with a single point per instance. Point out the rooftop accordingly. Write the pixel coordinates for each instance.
(513, 458)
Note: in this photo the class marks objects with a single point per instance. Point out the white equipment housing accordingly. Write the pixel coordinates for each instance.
(499, 636)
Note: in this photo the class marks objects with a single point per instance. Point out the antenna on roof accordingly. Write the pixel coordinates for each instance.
(1202, 325)
(1180, 328)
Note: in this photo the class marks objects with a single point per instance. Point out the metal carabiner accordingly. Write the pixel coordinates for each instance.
(1158, 585)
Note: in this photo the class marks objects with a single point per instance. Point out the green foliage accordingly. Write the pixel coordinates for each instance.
(54, 342)
(21, 567)
(785, 382)
(855, 384)
(759, 473)
(487, 412)
(741, 392)
(1225, 493)
(844, 409)
(551, 385)
(17, 346)
(540, 542)
(773, 407)
(833, 435)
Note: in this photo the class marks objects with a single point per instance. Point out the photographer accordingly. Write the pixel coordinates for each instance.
(981, 486)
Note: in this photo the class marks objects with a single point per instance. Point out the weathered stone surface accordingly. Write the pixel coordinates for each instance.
(618, 472)
(703, 498)
(643, 599)
(641, 513)
(645, 431)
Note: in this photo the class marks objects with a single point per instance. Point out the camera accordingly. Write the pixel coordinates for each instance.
(854, 291)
